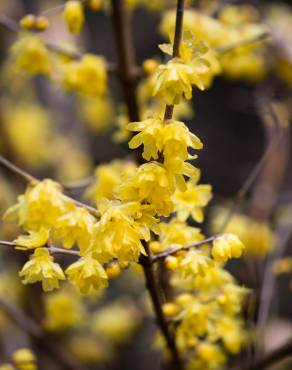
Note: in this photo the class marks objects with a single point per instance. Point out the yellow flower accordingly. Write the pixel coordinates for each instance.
(41, 267)
(175, 79)
(35, 239)
(75, 226)
(121, 229)
(151, 136)
(63, 310)
(231, 332)
(209, 357)
(194, 262)
(74, 16)
(116, 321)
(151, 184)
(227, 246)
(27, 123)
(40, 206)
(107, 177)
(24, 359)
(31, 55)
(86, 76)
(192, 200)
(87, 274)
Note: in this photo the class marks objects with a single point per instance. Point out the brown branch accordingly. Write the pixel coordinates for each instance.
(126, 59)
(176, 43)
(175, 250)
(153, 289)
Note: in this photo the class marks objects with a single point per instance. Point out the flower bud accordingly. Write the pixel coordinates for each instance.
(113, 270)
(170, 309)
(27, 22)
(171, 263)
(41, 23)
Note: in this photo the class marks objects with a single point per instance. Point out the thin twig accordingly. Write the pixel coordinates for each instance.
(51, 249)
(126, 59)
(175, 250)
(176, 44)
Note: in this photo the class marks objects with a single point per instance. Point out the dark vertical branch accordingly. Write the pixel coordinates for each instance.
(127, 76)
(153, 289)
(126, 59)
(176, 43)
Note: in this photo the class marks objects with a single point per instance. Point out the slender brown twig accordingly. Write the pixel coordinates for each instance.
(177, 249)
(126, 59)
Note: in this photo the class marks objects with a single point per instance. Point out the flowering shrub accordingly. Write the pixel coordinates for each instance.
(138, 220)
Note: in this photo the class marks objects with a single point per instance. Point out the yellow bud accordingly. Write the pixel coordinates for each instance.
(27, 22)
(113, 270)
(155, 247)
(149, 66)
(41, 23)
(170, 309)
(74, 16)
(94, 5)
(182, 299)
(221, 298)
(23, 356)
(124, 264)
(171, 263)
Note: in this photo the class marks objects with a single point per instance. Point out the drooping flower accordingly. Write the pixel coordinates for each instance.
(192, 200)
(41, 267)
(87, 274)
(227, 246)
(75, 226)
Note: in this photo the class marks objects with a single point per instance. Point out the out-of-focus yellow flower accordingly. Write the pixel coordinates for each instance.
(74, 16)
(116, 321)
(87, 76)
(41, 267)
(231, 332)
(34, 239)
(31, 55)
(97, 112)
(88, 349)
(209, 357)
(107, 177)
(24, 359)
(6, 367)
(75, 226)
(40, 206)
(27, 123)
(192, 200)
(283, 266)
(235, 14)
(63, 311)
(87, 274)
(227, 246)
